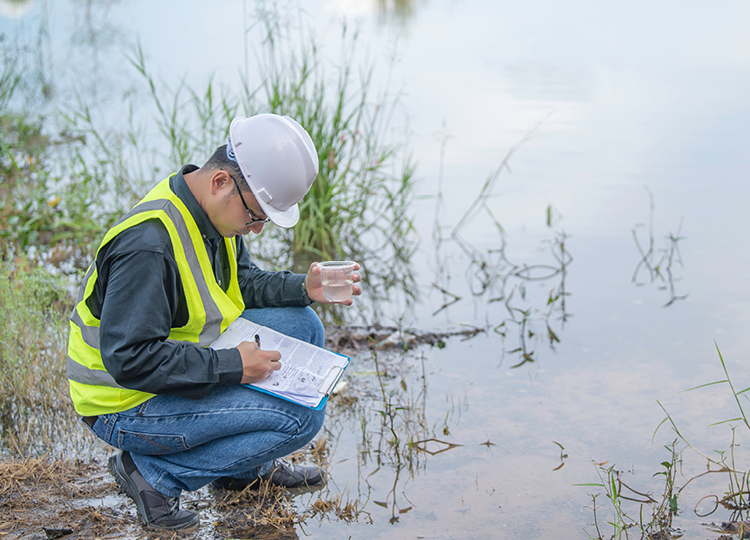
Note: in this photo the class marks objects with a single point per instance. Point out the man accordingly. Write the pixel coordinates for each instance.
(168, 278)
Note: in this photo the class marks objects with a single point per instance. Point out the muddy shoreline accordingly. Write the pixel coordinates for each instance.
(51, 497)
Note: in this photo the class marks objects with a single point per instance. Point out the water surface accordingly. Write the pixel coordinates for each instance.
(627, 106)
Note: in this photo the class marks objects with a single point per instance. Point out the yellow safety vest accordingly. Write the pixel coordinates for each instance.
(211, 310)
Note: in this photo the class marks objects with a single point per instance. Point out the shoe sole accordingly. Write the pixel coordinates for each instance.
(117, 470)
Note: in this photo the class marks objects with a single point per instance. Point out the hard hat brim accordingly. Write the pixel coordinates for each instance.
(286, 219)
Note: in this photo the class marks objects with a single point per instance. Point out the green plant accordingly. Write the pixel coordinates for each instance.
(610, 481)
(357, 207)
(662, 270)
(737, 497)
(619, 494)
(492, 274)
(667, 506)
(33, 335)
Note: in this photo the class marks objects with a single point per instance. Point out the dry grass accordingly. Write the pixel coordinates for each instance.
(27, 483)
(340, 506)
(39, 494)
(42, 498)
(250, 513)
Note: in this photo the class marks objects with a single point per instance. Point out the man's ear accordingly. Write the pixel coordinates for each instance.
(219, 182)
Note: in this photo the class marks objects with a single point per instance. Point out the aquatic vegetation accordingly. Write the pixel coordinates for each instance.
(54, 203)
(385, 402)
(736, 498)
(357, 209)
(68, 170)
(619, 495)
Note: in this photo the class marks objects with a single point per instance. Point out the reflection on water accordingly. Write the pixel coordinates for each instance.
(531, 313)
(396, 10)
(661, 265)
(386, 404)
(15, 9)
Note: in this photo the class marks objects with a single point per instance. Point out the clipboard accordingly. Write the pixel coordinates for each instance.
(325, 387)
(300, 360)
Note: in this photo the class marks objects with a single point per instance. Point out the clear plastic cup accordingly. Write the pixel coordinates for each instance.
(336, 277)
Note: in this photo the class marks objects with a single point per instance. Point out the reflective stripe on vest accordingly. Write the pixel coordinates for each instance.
(210, 309)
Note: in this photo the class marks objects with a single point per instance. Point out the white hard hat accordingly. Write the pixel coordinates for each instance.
(278, 160)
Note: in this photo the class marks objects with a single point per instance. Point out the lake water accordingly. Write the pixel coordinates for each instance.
(628, 106)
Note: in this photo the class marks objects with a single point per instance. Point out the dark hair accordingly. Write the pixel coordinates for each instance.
(219, 160)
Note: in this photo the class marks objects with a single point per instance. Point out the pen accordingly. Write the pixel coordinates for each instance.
(257, 340)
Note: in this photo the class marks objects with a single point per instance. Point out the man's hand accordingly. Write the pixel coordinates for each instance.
(257, 364)
(314, 286)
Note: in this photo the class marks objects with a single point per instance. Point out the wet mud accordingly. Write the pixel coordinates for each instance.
(41, 499)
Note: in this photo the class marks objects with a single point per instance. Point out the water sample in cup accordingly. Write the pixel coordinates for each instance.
(336, 277)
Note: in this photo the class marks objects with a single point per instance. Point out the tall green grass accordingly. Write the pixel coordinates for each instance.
(358, 207)
(667, 505)
(737, 496)
(34, 407)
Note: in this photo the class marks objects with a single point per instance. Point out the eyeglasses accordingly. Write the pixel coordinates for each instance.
(253, 219)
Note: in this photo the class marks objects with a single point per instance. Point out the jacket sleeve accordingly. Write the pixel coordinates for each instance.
(261, 288)
(141, 297)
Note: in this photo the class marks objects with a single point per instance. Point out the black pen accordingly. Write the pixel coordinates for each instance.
(257, 340)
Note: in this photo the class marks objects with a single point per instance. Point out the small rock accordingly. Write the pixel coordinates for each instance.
(56, 533)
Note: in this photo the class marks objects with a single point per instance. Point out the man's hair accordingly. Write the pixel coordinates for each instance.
(220, 160)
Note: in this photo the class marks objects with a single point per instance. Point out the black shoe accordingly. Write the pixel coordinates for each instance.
(281, 473)
(154, 508)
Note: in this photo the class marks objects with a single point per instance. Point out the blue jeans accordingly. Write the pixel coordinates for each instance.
(183, 444)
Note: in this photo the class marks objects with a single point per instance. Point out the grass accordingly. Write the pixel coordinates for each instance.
(54, 203)
(736, 498)
(35, 410)
(491, 274)
(619, 496)
(61, 495)
(357, 207)
(398, 433)
(68, 173)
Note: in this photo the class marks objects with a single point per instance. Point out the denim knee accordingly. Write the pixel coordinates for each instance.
(312, 426)
(314, 326)
(298, 322)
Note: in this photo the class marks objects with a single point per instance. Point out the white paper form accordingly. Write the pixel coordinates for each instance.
(307, 372)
